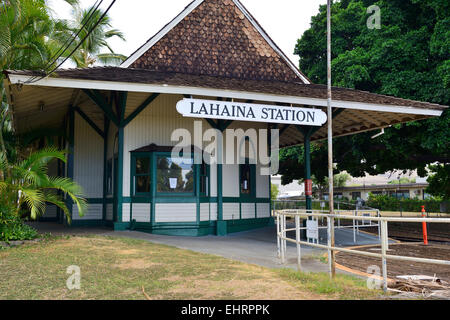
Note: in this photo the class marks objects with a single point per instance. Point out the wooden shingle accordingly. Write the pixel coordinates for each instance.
(217, 39)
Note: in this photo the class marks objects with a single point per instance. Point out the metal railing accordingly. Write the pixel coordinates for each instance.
(355, 211)
(282, 239)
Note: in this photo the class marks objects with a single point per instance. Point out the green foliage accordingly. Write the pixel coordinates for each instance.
(274, 191)
(409, 57)
(439, 181)
(25, 186)
(89, 51)
(12, 228)
(17, 231)
(402, 180)
(387, 203)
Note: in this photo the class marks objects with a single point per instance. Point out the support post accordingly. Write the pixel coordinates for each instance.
(120, 155)
(70, 158)
(297, 239)
(283, 242)
(307, 145)
(383, 252)
(330, 136)
(105, 163)
(278, 237)
(329, 227)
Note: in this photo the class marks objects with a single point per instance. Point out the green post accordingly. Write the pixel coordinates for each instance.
(105, 163)
(70, 157)
(221, 229)
(307, 145)
(120, 156)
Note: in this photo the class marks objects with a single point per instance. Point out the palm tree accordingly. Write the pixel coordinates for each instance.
(25, 185)
(89, 51)
(29, 38)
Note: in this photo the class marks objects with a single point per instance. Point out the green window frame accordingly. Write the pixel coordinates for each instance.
(247, 180)
(141, 174)
(109, 176)
(204, 184)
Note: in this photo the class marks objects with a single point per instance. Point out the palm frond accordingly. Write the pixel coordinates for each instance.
(111, 58)
(34, 199)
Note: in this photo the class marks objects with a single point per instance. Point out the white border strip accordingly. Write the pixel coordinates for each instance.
(170, 89)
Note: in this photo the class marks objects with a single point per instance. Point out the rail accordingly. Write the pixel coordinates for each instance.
(297, 214)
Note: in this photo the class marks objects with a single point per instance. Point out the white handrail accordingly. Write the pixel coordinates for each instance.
(383, 222)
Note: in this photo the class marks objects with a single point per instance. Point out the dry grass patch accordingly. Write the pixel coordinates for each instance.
(118, 268)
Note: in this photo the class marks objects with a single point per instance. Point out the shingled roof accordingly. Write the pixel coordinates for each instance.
(279, 88)
(216, 38)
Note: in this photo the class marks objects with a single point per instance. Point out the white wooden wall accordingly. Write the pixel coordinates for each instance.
(88, 159)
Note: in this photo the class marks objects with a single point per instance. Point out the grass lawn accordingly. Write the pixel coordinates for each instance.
(118, 268)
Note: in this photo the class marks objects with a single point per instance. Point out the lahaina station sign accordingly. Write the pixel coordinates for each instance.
(198, 108)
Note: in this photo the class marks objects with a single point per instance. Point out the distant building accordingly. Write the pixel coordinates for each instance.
(293, 190)
(400, 191)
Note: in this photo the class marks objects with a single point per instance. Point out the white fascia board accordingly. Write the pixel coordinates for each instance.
(160, 34)
(270, 42)
(233, 94)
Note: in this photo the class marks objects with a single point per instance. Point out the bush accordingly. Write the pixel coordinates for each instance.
(17, 231)
(387, 203)
(12, 228)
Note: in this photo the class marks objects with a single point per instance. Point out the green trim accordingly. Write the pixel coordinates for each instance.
(141, 108)
(252, 181)
(100, 101)
(90, 122)
(122, 105)
(105, 164)
(247, 224)
(70, 158)
(197, 189)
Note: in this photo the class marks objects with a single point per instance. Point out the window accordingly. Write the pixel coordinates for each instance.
(174, 175)
(247, 179)
(141, 178)
(109, 175)
(204, 179)
(356, 195)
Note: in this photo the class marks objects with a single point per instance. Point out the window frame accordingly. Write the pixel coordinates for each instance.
(134, 157)
(252, 182)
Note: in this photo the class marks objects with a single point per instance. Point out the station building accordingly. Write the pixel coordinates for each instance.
(206, 69)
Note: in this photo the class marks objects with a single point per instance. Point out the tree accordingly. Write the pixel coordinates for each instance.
(439, 181)
(409, 57)
(274, 191)
(90, 50)
(25, 185)
(321, 185)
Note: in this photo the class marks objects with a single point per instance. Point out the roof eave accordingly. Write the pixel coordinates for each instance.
(214, 92)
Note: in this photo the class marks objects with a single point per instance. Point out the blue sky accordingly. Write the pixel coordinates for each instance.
(284, 20)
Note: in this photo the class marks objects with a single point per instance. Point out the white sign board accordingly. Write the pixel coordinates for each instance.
(226, 110)
(312, 229)
(173, 183)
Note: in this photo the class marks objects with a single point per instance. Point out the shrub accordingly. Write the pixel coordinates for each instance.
(388, 203)
(12, 228)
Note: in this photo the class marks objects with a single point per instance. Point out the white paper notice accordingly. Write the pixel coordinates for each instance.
(173, 183)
